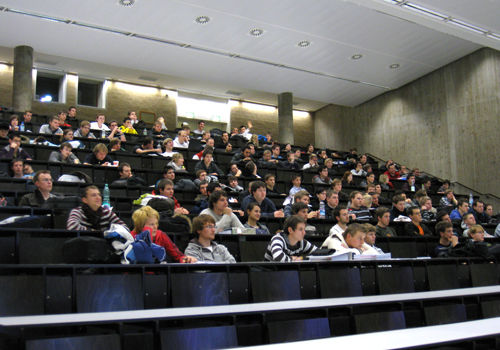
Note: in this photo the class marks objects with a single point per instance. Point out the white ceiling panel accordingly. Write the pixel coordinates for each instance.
(337, 29)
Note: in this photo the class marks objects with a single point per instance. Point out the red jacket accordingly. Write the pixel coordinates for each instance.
(163, 241)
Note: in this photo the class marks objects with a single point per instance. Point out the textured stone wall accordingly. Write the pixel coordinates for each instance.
(446, 123)
(265, 119)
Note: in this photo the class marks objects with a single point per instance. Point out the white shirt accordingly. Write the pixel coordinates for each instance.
(95, 126)
(180, 145)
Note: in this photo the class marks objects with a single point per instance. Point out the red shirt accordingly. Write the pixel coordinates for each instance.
(396, 176)
(164, 241)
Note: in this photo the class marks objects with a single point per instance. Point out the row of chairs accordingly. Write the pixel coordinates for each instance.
(62, 289)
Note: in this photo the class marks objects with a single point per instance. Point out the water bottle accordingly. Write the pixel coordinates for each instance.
(103, 134)
(412, 188)
(105, 202)
(321, 210)
(471, 200)
(21, 128)
(145, 132)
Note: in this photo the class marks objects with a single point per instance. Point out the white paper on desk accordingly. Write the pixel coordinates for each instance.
(337, 256)
(385, 256)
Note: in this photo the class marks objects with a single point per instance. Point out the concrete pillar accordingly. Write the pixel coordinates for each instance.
(22, 91)
(285, 117)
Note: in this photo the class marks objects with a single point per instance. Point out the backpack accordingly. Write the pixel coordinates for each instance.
(89, 250)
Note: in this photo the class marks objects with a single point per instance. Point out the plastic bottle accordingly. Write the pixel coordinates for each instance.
(105, 201)
(471, 200)
(321, 210)
(412, 188)
(145, 132)
(103, 134)
(21, 128)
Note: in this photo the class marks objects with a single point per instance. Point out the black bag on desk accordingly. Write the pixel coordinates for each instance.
(69, 202)
(89, 250)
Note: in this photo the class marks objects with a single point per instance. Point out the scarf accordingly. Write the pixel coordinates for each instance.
(94, 217)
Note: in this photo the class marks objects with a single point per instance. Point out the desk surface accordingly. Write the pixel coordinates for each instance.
(155, 314)
(400, 339)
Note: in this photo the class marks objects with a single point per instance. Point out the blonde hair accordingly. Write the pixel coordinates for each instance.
(367, 200)
(384, 179)
(84, 123)
(100, 147)
(476, 229)
(141, 215)
(176, 157)
(255, 140)
(167, 141)
(368, 228)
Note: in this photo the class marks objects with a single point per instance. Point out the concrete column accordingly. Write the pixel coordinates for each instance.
(22, 91)
(285, 117)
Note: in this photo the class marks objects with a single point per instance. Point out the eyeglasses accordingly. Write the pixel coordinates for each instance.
(47, 180)
(210, 227)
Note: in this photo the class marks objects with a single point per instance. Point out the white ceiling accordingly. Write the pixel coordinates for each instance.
(383, 33)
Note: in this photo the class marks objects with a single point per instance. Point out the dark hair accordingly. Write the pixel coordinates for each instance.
(296, 207)
(14, 134)
(446, 182)
(321, 168)
(397, 199)
(65, 145)
(440, 215)
(292, 222)
(461, 201)
(201, 121)
(475, 203)
(354, 194)
(85, 190)
(207, 151)
(256, 185)
(163, 183)
(295, 176)
(381, 211)
(336, 212)
(125, 119)
(442, 226)
(166, 168)
(200, 221)
(244, 148)
(212, 186)
(398, 192)
(319, 190)
(252, 205)
(232, 178)
(123, 165)
(268, 176)
(71, 107)
(199, 172)
(411, 210)
(15, 160)
(147, 140)
(369, 174)
(214, 198)
(275, 146)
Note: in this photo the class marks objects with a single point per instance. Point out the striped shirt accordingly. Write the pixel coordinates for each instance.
(78, 221)
(280, 249)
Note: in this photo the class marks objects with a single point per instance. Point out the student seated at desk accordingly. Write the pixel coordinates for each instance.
(370, 238)
(253, 212)
(290, 245)
(99, 156)
(146, 218)
(64, 155)
(351, 240)
(219, 209)
(203, 247)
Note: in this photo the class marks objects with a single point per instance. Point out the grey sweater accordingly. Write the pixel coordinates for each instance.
(217, 253)
(223, 222)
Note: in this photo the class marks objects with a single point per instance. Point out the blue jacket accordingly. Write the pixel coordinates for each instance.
(267, 207)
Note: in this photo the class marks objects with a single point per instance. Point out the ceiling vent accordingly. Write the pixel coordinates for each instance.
(357, 56)
(126, 2)
(394, 66)
(202, 19)
(304, 43)
(256, 32)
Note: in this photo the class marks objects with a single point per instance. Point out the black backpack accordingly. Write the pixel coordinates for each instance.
(89, 250)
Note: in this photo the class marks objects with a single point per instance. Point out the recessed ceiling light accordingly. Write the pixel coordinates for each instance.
(357, 56)
(394, 66)
(304, 43)
(256, 32)
(202, 19)
(126, 2)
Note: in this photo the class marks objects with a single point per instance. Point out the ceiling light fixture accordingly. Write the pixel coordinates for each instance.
(256, 32)
(126, 2)
(304, 43)
(357, 56)
(394, 66)
(202, 19)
